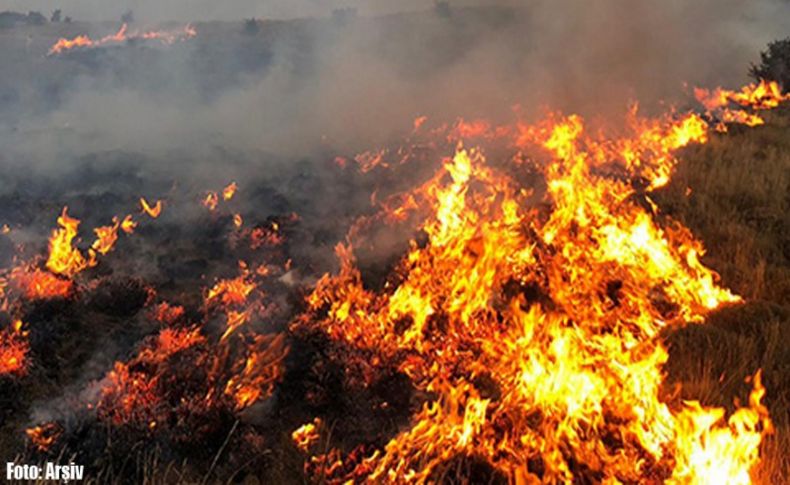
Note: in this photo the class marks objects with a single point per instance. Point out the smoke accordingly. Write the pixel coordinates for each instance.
(157, 10)
(302, 87)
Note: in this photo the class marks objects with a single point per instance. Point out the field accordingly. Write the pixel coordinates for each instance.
(336, 284)
(738, 206)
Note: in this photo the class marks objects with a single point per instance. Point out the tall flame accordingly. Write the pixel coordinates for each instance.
(556, 306)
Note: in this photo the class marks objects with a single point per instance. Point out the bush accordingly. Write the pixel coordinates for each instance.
(251, 26)
(36, 18)
(774, 63)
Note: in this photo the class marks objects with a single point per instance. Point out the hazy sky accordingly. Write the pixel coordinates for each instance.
(210, 9)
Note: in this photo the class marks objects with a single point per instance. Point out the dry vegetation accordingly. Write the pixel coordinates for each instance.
(738, 205)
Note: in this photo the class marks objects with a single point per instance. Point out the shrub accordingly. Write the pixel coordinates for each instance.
(774, 63)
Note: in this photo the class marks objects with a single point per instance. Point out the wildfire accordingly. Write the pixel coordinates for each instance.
(307, 435)
(128, 225)
(760, 96)
(168, 314)
(67, 260)
(44, 436)
(527, 317)
(83, 41)
(557, 307)
(64, 258)
(229, 191)
(153, 212)
(212, 199)
(14, 348)
(233, 291)
(259, 372)
(106, 236)
(37, 284)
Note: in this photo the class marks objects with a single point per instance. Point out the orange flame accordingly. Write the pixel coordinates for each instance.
(229, 191)
(259, 372)
(14, 348)
(307, 435)
(559, 308)
(106, 236)
(128, 225)
(44, 436)
(211, 201)
(152, 212)
(232, 291)
(760, 96)
(64, 259)
(83, 41)
(40, 285)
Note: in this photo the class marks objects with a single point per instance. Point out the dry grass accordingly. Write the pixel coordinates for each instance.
(739, 206)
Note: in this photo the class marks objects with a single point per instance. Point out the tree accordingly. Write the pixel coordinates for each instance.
(35, 18)
(251, 26)
(55, 18)
(774, 63)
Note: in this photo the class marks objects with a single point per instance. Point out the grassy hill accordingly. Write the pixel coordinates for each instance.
(739, 206)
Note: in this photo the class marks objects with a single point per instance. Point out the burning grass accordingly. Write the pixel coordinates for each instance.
(166, 37)
(551, 290)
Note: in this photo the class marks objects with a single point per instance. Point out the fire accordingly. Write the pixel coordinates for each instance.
(106, 236)
(44, 436)
(202, 376)
(168, 314)
(307, 435)
(83, 41)
(527, 317)
(64, 259)
(557, 306)
(67, 260)
(229, 191)
(232, 291)
(153, 212)
(259, 372)
(14, 348)
(128, 225)
(760, 96)
(37, 284)
(211, 201)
